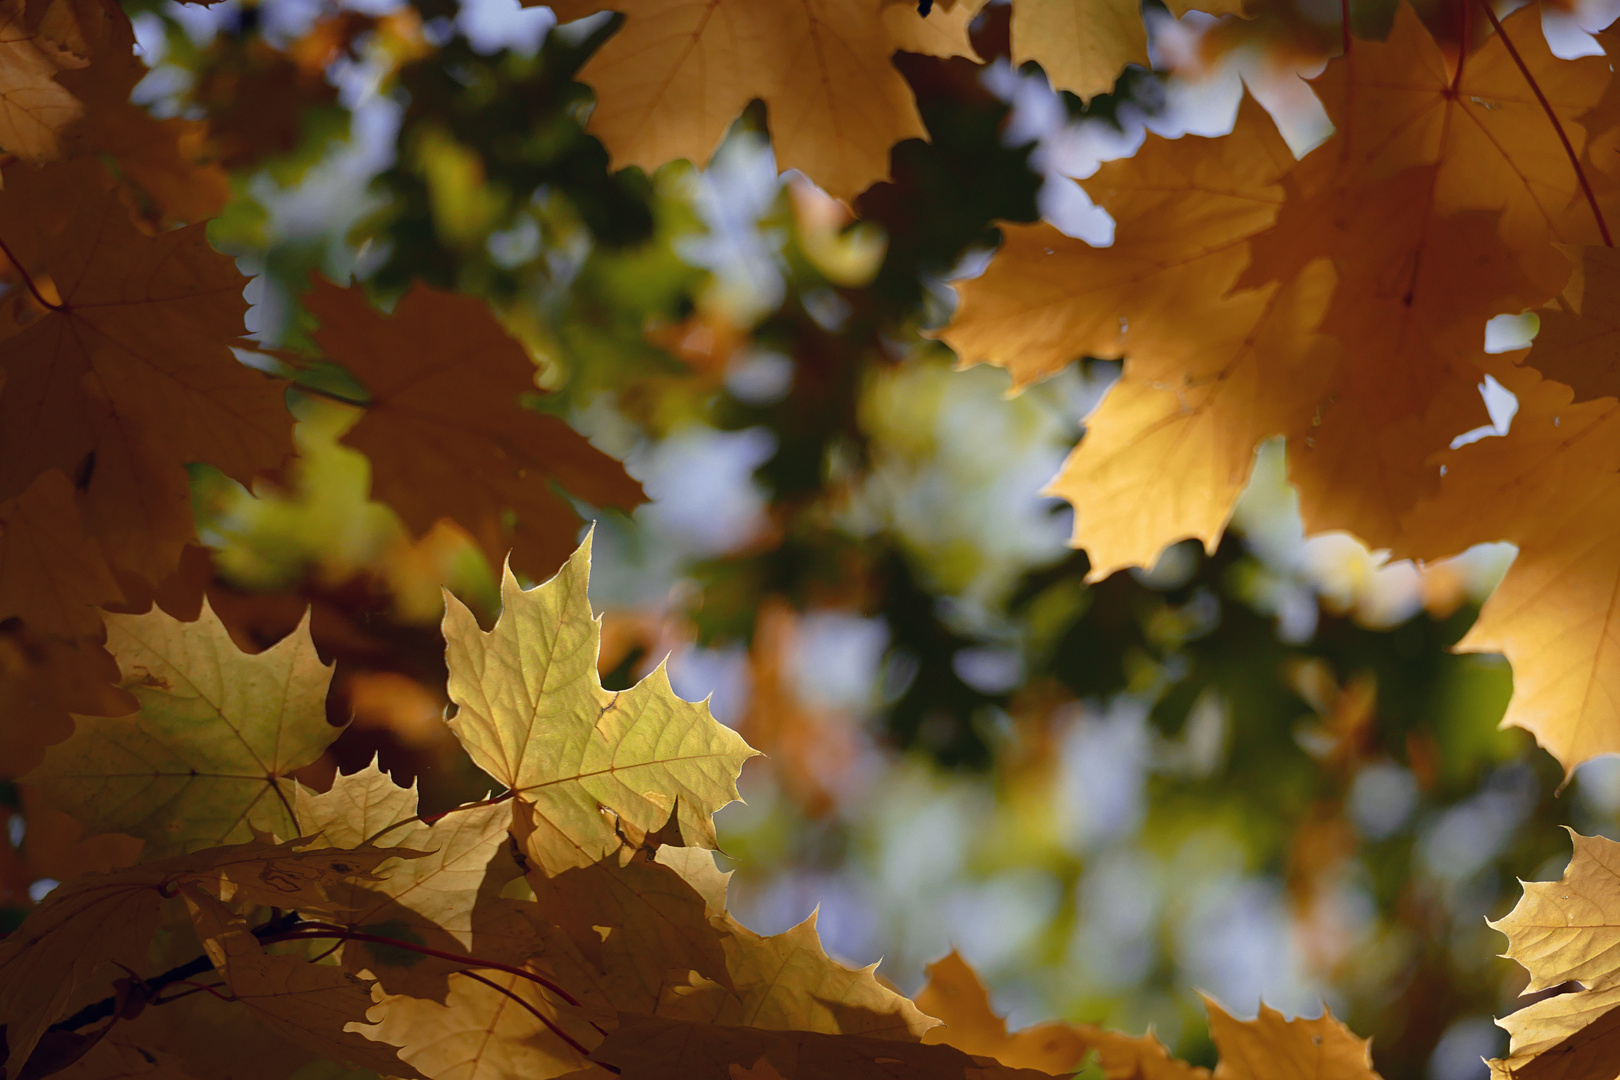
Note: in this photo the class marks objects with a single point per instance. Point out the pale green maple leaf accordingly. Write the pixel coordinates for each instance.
(583, 762)
(207, 758)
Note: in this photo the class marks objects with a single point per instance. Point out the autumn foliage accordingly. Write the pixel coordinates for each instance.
(575, 922)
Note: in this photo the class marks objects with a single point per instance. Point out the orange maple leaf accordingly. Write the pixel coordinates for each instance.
(444, 429)
(127, 373)
(675, 76)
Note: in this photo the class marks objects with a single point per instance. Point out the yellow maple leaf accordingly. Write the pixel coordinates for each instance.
(787, 982)
(1569, 929)
(1564, 1037)
(1550, 486)
(672, 79)
(639, 923)
(207, 758)
(1400, 103)
(1137, 1057)
(533, 714)
(492, 1025)
(429, 899)
(444, 429)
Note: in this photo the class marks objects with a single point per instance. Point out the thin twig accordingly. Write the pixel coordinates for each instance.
(107, 1006)
(308, 930)
(1344, 25)
(1546, 106)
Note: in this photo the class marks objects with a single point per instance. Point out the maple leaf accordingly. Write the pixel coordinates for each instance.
(658, 926)
(1182, 209)
(1569, 929)
(308, 1003)
(165, 160)
(128, 374)
(1136, 1057)
(1082, 45)
(955, 996)
(428, 899)
(1577, 338)
(1551, 485)
(206, 759)
(490, 1027)
(532, 713)
(34, 107)
(444, 430)
(51, 576)
(1415, 288)
(786, 982)
(1564, 1037)
(675, 76)
(648, 1048)
(1401, 103)
(98, 918)
(1270, 1047)
(1209, 373)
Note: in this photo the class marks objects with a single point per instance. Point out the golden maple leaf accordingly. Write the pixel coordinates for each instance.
(1569, 929)
(429, 898)
(444, 429)
(1402, 103)
(207, 758)
(1082, 45)
(672, 79)
(1550, 486)
(1564, 1037)
(1271, 1047)
(955, 996)
(533, 714)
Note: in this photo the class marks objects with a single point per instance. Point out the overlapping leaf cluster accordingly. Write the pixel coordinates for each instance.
(1340, 301)
(119, 349)
(573, 925)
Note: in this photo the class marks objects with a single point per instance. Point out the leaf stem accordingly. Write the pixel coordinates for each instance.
(27, 279)
(1344, 25)
(1462, 46)
(307, 930)
(538, 1015)
(1546, 107)
(315, 391)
